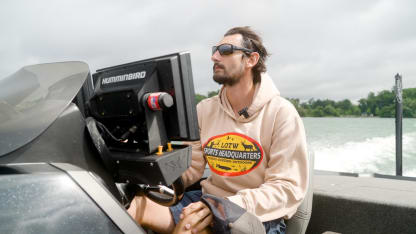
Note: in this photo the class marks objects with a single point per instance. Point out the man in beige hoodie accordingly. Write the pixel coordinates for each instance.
(252, 139)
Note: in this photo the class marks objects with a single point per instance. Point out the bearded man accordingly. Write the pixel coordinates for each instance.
(252, 139)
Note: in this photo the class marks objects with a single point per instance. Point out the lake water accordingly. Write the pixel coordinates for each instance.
(360, 145)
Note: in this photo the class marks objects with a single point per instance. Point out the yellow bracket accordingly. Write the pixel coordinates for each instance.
(159, 150)
(169, 147)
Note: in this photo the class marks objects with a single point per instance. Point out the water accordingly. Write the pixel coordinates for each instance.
(360, 145)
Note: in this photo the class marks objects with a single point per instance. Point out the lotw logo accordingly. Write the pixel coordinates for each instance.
(247, 146)
(232, 154)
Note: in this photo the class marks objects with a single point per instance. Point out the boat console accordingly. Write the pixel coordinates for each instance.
(136, 116)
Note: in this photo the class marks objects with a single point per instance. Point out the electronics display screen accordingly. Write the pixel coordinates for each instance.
(119, 100)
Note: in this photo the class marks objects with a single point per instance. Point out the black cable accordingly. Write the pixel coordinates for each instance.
(105, 129)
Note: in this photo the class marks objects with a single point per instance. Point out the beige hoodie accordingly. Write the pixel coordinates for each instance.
(260, 162)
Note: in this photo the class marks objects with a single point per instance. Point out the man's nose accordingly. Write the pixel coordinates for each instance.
(216, 56)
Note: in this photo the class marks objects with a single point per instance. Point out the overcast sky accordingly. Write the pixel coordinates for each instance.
(320, 49)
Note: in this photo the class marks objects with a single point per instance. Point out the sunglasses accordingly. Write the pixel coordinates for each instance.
(227, 49)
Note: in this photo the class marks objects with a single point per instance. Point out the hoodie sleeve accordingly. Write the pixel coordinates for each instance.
(286, 176)
(197, 168)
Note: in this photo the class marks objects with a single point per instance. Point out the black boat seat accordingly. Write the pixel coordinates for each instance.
(300, 220)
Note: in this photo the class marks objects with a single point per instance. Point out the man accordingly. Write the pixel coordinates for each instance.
(252, 139)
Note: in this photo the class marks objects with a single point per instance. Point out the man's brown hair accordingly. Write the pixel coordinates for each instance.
(252, 41)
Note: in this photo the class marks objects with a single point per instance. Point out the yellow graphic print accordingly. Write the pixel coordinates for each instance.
(232, 154)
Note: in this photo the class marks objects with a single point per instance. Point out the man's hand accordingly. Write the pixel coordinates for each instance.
(195, 218)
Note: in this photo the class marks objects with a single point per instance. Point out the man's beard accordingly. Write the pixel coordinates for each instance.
(227, 79)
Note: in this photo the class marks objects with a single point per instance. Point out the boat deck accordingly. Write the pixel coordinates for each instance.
(352, 203)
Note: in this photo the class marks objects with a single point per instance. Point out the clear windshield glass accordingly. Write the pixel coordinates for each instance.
(33, 97)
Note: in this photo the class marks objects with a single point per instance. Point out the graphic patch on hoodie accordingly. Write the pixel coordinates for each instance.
(232, 154)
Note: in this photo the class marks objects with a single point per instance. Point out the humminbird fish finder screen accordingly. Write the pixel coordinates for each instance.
(136, 111)
(147, 103)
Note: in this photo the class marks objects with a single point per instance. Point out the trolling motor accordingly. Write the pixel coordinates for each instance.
(137, 114)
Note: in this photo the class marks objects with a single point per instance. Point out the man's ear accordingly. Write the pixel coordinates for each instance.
(253, 59)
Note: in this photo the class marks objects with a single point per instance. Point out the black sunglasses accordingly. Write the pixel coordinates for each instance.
(227, 49)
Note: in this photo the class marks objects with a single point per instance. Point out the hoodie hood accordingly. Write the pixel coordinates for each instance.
(264, 91)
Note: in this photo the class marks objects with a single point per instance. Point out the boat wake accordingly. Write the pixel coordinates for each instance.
(373, 155)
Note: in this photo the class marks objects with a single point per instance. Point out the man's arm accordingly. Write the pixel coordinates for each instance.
(286, 176)
(197, 168)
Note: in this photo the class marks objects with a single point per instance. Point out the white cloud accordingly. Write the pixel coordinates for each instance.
(320, 49)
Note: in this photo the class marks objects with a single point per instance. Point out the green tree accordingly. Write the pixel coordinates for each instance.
(345, 107)
(384, 98)
(296, 103)
(371, 104)
(409, 93)
(318, 112)
(199, 97)
(409, 107)
(213, 93)
(382, 105)
(386, 111)
(363, 106)
(355, 111)
(329, 110)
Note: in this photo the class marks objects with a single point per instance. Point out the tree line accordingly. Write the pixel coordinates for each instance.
(381, 104)
(200, 97)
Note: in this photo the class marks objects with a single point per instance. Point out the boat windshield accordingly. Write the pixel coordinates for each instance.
(33, 97)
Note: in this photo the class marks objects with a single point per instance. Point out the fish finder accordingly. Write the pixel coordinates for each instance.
(138, 113)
